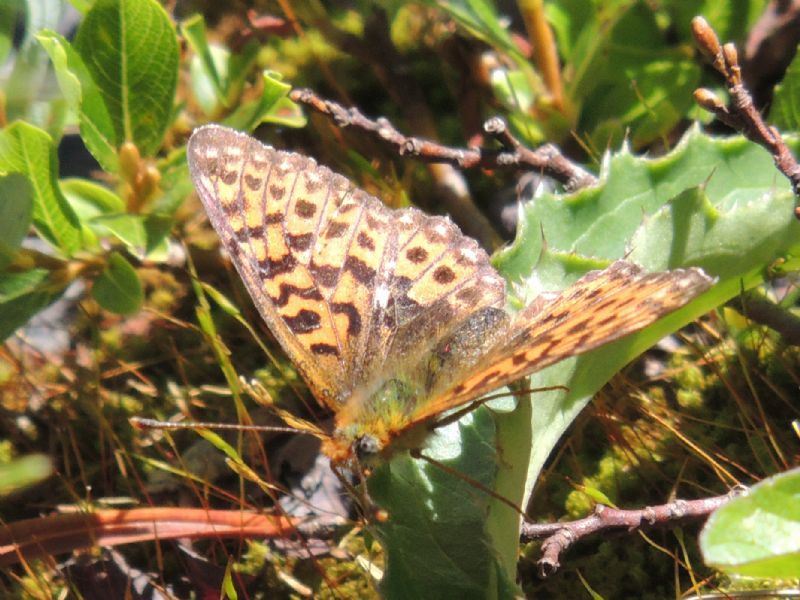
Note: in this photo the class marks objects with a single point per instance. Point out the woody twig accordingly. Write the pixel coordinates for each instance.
(741, 113)
(756, 306)
(547, 159)
(559, 537)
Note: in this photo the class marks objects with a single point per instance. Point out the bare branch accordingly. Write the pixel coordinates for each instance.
(559, 537)
(546, 159)
(754, 305)
(741, 114)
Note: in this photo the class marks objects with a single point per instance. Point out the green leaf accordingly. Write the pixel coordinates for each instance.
(143, 235)
(717, 203)
(16, 210)
(8, 21)
(28, 88)
(23, 472)
(60, 51)
(29, 150)
(218, 75)
(156, 228)
(176, 183)
(205, 62)
(600, 221)
(16, 312)
(131, 52)
(14, 285)
(730, 240)
(593, 594)
(654, 212)
(84, 97)
(645, 102)
(127, 228)
(272, 107)
(732, 20)
(637, 85)
(204, 89)
(222, 301)
(481, 18)
(118, 288)
(431, 511)
(757, 535)
(626, 79)
(785, 111)
(228, 587)
(240, 64)
(220, 444)
(90, 199)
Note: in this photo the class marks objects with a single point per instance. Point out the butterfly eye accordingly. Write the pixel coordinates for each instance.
(366, 448)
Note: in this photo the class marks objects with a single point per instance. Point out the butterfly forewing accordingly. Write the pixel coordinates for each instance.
(249, 192)
(355, 293)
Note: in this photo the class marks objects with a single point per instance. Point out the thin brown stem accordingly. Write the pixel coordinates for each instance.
(513, 155)
(559, 537)
(544, 48)
(754, 305)
(741, 113)
(374, 47)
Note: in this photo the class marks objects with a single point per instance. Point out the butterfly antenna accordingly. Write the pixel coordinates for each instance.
(473, 482)
(145, 423)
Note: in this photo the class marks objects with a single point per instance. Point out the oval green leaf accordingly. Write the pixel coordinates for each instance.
(16, 312)
(90, 199)
(29, 150)
(23, 472)
(84, 97)
(16, 209)
(14, 285)
(118, 288)
(131, 52)
(758, 535)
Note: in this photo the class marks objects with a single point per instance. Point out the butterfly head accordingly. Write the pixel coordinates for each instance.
(374, 424)
(363, 450)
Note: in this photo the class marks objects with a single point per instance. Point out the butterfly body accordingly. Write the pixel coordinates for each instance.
(395, 318)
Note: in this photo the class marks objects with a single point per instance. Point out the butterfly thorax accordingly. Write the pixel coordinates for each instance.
(377, 424)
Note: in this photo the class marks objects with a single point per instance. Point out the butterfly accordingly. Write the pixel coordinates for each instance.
(394, 318)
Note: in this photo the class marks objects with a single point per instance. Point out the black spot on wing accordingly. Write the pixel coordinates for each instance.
(272, 268)
(300, 242)
(325, 275)
(287, 291)
(252, 182)
(362, 272)
(229, 177)
(353, 316)
(364, 241)
(303, 322)
(324, 350)
(443, 275)
(416, 254)
(305, 209)
(336, 229)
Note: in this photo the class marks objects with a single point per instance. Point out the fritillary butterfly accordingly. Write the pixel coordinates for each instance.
(394, 317)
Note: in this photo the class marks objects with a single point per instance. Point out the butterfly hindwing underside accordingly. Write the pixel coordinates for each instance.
(392, 316)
